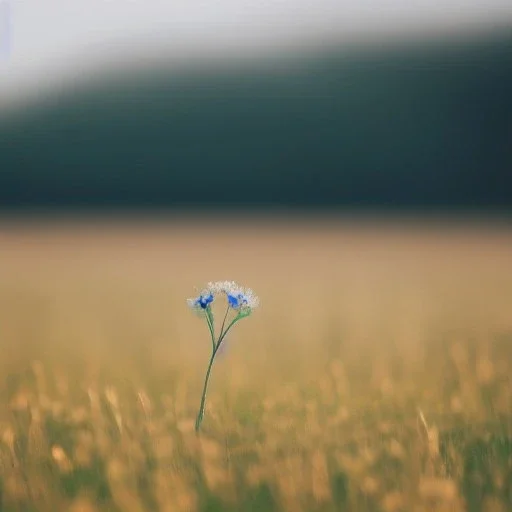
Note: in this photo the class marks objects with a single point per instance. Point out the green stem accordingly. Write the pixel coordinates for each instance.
(200, 414)
(235, 320)
(203, 397)
(209, 321)
(224, 322)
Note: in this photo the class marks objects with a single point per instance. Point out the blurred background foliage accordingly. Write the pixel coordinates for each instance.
(419, 124)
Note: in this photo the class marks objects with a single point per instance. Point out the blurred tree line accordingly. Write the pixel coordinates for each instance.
(428, 125)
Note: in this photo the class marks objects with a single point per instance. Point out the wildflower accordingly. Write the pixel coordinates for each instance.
(202, 302)
(243, 300)
(240, 300)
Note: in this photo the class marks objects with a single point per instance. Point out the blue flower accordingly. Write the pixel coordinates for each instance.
(239, 298)
(235, 300)
(202, 302)
(238, 301)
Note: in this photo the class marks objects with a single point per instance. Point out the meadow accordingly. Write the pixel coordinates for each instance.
(376, 375)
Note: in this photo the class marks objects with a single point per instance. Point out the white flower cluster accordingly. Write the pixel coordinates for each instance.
(239, 298)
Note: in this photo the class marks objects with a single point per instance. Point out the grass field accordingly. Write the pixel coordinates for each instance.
(376, 374)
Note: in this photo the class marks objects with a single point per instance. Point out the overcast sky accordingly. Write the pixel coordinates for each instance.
(42, 41)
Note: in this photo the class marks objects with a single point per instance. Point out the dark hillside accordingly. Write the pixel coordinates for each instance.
(428, 126)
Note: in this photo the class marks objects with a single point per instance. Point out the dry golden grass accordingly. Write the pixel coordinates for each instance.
(375, 376)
